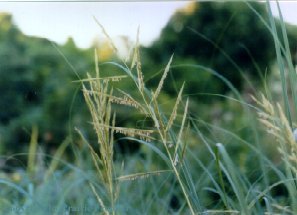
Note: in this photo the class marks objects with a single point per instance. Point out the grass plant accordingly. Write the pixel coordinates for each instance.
(185, 165)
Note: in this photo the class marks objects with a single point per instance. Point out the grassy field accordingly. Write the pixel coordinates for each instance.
(184, 166)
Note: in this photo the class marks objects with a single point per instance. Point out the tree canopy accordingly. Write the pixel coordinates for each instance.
(227, 37)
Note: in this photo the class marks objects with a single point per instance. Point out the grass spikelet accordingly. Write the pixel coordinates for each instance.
(144, 175)
(131, 132)
(126, 100)
(139, 72)
(136, 61)
(182, 126)
(287, 130)
(174, 111)
(105, 79)
(136, 51)
(277, 124)
(269, 125)
(137, 105)
(265, 104)
(99, 199)
(107, 36)
(160, 85)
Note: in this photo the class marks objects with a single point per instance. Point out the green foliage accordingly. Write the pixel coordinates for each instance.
(225, 36)
(194, 157)
(36, 86)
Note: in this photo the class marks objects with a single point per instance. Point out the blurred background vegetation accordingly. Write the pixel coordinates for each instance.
(209, 40)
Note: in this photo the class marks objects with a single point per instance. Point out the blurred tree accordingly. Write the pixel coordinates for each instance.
(36, 86)
(14, 73)
(225, 36)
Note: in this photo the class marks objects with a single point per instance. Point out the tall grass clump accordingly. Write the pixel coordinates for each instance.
(166, 134)
(100, 97)
(278, 118)
(185, 164)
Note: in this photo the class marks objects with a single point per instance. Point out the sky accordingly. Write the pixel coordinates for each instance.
(59, 20)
